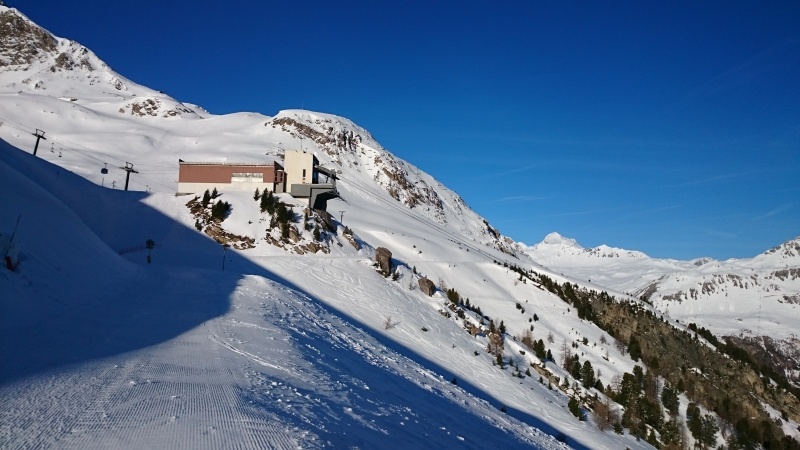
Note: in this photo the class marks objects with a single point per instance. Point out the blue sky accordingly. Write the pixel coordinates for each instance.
(667, 127)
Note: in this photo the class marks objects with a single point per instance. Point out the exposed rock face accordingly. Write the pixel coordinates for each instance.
(427, 286)
(22, 41)
(384, 259)
(327, 219)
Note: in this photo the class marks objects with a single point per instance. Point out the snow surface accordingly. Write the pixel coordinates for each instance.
(278, 350)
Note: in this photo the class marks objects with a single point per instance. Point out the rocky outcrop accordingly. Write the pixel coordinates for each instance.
(384, 259)
(327, 219)
(22, 41)
(427, 286)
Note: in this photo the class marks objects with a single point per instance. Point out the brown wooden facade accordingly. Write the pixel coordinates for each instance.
(198, 176)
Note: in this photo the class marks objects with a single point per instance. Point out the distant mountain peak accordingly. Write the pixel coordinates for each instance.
(788, 250)
(555, 238)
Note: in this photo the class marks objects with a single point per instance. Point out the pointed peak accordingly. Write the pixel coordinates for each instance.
(556, 239)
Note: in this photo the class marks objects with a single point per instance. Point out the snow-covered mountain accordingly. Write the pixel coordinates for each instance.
(756, 299)
(285, 342)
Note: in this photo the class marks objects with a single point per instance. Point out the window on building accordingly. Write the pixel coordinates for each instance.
(246, 177)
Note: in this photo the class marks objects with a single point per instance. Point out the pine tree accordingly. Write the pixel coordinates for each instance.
(206, 199)
(669, 398)
(575, 408)
(214, 193)
(220, 210)
(694, 421)
(284, 230)
(257, 195)
(587, 374)
(708, 432)
(268, 202)
(634, 349)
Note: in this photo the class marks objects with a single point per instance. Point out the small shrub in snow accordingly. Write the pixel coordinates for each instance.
(527, 339)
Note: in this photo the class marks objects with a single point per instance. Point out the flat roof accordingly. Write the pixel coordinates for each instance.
(187, 163)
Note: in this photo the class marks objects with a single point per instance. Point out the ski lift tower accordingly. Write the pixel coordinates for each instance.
(39, 135)
(128, 168)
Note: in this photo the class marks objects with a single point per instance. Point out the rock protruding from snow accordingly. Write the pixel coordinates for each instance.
(427, 286)
(384, 259)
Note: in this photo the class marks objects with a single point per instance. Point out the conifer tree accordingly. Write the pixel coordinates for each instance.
(669, 398)
(587, 374)
(267, 202)
(206, 198)
(634, 349)
(220, 210)
(575, 408)
(257, 195)
(708, 432)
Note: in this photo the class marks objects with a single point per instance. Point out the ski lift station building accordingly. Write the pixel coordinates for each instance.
(300, 173)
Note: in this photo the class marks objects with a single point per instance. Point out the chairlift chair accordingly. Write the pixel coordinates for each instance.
(104, 170)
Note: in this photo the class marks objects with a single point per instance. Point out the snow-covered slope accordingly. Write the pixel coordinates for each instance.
(108, 353)
(288, 345)
(265, 347)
